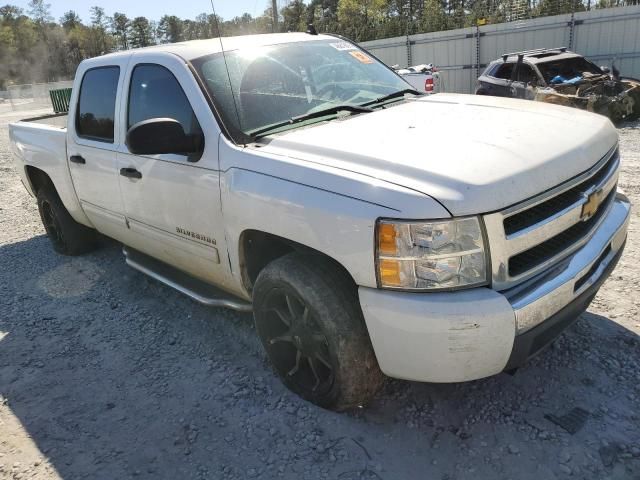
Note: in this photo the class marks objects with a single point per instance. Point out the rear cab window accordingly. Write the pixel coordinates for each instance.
(95, 115)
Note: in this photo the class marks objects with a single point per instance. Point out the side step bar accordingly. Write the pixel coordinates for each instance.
(198, 290)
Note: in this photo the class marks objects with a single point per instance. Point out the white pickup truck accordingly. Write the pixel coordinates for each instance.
(424, 78)
(280, 176)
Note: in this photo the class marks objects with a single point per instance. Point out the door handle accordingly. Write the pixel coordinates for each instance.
(77, 159)
(130, 173)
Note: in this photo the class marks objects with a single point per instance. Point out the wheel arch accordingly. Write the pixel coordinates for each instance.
(258, 248)
(37, 178)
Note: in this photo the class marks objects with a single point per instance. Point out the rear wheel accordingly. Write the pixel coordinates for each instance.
(67, 236)
(309, 320)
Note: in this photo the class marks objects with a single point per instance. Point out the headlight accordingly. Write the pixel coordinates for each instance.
(430, 255)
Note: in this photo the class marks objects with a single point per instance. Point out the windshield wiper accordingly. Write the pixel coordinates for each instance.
(399, 93)
(308, 116)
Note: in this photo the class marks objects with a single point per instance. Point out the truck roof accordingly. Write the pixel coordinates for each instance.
(197, 48)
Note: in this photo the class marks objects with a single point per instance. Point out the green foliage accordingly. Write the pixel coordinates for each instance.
(170, 29)
(359, 18)
(294, 16)
(70, 20)
(40, 11)
(120, 25)
(141, 33)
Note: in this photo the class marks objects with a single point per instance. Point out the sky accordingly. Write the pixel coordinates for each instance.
(154, 9)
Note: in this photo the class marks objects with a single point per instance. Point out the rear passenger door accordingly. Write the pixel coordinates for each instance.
(92, 145)
(173, 203)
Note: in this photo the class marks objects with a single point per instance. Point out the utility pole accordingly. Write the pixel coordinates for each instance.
(274, 13)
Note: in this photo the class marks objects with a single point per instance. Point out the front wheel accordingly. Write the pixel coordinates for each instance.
(309, 320)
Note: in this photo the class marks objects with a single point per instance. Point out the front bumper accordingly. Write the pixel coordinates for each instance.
(471, 334)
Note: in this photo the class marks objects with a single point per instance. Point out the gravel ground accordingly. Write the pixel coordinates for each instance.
(105, 374)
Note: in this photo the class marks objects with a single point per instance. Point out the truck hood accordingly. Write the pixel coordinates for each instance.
(473, 154)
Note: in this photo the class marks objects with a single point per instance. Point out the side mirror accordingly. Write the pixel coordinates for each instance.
(605, 69)
(162, 135)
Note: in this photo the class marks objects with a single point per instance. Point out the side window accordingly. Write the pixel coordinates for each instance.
(492, 69)
(504, 71)
(155, 93)
(97, 104)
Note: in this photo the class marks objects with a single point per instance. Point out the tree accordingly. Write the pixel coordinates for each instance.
(98, 40)
(294, 16)
(98, 18)
(170, 29)
(359, 18)
(434, 18)
(70, 20)
(141, 34)
(10, 13)
(77, 40)
(557, 7)
(207, 25)
(242, 25)
(120, 25)
(40, 11)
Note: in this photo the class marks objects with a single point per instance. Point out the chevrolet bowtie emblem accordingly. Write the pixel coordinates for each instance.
(590, 208)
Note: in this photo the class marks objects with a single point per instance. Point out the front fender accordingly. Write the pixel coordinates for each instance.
(303, 208)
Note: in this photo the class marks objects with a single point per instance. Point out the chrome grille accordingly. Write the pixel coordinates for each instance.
(541, 211)
(522, 262)
(529, 237)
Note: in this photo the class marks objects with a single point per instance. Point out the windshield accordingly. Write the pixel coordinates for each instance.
(273, 84)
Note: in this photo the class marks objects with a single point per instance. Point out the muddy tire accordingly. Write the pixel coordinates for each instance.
(308, 317)
(67, 236)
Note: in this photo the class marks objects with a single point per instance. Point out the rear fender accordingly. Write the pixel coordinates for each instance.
(44, 148)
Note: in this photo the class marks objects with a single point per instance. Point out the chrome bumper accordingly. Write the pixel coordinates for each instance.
(538, 299)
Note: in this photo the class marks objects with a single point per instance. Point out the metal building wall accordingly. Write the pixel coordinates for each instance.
(604, 36)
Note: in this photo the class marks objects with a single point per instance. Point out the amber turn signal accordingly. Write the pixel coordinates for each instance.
(387, 235)
(390, 273)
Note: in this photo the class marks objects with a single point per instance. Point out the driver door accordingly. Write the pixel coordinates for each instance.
(172, 201)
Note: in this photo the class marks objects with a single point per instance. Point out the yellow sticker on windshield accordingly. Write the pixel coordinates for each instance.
(361, 57)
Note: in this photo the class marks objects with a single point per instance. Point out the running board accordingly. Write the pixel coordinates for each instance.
(198, 290)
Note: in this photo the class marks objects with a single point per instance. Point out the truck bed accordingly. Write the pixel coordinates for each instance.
(58, 120)
(40, 142)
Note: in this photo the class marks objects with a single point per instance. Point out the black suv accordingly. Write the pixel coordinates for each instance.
(515, 74)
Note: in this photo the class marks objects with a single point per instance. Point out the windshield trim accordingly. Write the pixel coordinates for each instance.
(241, 138)
(228, 129)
